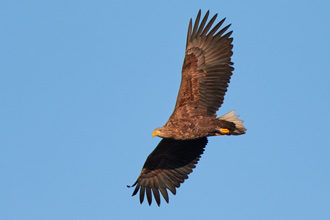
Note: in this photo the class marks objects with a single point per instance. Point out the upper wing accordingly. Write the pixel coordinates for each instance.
(168, 166)
(206, 70)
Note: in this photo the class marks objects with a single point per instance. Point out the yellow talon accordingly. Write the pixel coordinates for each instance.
(224, 131)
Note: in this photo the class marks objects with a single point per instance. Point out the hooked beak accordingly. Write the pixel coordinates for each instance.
(155, 133)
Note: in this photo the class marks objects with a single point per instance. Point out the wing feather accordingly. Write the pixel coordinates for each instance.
(201, 26)
(167, 167)
(209, 25)
(196, 24)
(156, 195)
(207, 68)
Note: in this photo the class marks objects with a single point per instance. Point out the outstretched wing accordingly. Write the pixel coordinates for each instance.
(167, 167)
(206, 70)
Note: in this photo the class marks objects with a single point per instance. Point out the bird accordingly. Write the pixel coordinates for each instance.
(206, 73)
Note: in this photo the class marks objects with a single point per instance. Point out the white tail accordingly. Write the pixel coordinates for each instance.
(231, 117)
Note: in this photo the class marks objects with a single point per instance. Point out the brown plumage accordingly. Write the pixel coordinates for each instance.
(206, 72)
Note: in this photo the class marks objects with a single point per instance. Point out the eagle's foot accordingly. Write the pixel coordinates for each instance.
(222, 131)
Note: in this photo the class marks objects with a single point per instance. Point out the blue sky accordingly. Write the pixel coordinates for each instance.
(84, 83)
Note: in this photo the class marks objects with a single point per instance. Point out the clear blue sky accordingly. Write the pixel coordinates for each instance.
(84, 83)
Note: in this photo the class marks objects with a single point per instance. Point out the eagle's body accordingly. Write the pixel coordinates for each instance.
(206, 72)
(196, 127)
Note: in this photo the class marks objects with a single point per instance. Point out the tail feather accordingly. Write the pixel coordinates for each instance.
(231, 117)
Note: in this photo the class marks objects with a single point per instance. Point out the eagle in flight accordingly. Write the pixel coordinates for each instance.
(206, 72)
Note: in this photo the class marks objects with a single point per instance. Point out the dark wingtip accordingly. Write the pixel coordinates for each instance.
(128, 186)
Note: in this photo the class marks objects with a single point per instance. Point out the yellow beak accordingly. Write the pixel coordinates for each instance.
(155, 133)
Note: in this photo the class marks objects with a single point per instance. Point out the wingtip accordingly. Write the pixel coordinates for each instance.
(128, 186)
